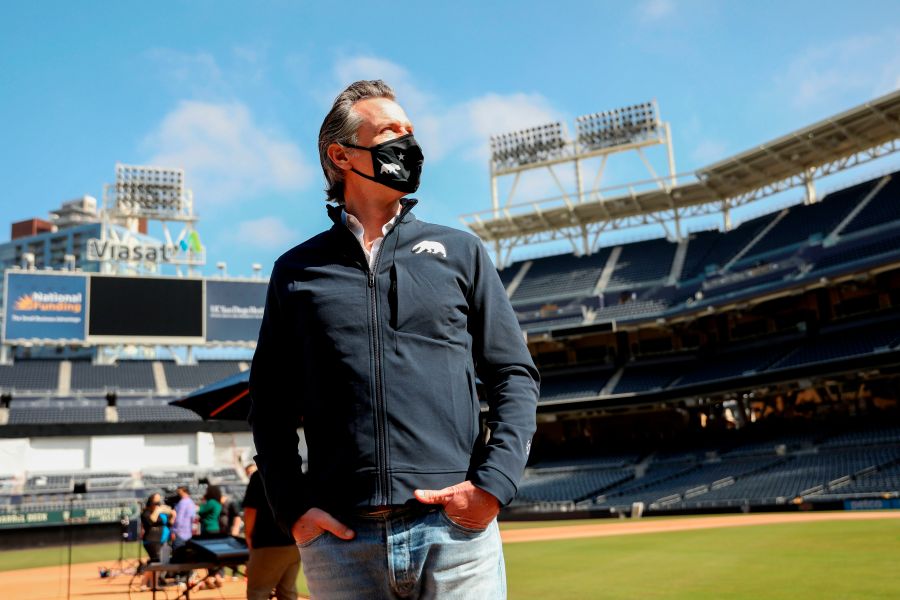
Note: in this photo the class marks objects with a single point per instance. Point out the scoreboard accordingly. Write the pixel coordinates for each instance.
(92, 308)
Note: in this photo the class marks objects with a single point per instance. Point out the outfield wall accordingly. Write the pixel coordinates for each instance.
(202, 450)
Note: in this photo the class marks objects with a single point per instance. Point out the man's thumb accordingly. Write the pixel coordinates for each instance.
(329, 523)
(433, 496)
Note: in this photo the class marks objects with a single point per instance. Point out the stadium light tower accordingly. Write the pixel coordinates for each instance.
(149, 193)
(598, 135)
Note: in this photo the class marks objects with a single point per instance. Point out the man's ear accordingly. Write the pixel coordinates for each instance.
(338, 156)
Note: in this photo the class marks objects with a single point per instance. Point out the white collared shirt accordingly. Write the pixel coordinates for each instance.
(359, 232)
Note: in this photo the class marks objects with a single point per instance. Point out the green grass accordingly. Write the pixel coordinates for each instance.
(11, 560)
(797, 561)
(825, 560)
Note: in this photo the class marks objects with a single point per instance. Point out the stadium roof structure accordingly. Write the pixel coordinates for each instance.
(856, 136)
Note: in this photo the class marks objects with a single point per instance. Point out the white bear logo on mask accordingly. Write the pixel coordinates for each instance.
(431, 248)
(390, 168)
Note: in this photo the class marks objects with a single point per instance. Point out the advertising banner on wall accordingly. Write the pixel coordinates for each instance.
(234, 310)
(20, 517)
(44, 306)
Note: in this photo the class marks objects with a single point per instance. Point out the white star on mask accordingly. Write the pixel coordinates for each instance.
(400, 156)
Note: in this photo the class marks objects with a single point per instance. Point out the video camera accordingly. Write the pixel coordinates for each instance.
(171, 497)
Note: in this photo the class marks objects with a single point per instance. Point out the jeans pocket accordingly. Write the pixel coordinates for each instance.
(464, 528)
(311, 540)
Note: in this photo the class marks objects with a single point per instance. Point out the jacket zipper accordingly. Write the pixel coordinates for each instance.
(380, 412)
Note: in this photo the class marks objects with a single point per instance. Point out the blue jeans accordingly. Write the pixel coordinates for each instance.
(422, 555)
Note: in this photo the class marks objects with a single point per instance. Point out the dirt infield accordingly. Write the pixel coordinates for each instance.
(50, 583)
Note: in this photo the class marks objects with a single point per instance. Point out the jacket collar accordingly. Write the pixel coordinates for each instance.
(406, 216)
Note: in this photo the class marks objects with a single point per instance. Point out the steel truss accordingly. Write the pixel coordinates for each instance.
(852, 138)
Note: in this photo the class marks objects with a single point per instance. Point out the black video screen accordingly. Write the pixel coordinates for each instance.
(145, 306)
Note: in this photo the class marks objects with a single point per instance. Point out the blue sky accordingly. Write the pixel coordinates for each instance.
(235, 92)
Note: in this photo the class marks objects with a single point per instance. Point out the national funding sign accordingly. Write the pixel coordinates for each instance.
(44, 307)
(234, 310)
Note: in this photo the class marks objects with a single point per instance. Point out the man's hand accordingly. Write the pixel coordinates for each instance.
(464, 503)
(314, 522)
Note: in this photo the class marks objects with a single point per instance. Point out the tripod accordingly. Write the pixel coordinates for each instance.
(78, 489)
(123, 566)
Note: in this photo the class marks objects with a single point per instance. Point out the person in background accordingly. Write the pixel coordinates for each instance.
(209, 513)
(230, 520)
(183, 529)
(153, 521)
(184, 524)
(230, 523)
(274, 560)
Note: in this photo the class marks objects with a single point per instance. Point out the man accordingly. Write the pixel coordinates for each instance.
(230, 522)
(274, 561)
(186, 511)
(372, 336)
(230, 518)
(183, 529)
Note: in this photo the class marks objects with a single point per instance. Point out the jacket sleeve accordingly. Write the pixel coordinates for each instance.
(275, 415)
(511, 383)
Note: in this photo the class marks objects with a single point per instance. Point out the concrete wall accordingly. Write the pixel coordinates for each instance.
(124, 453)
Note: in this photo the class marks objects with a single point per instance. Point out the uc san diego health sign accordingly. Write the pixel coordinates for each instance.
(45, 307)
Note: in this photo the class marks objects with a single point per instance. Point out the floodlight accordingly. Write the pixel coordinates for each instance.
(142, 190)
(621, 126)
(528, 146)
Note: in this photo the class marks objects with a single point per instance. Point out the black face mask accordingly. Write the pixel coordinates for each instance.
(396, 163)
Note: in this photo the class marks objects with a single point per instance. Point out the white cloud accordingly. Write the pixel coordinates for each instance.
(835, 74)
(443, 127)
(268, 233)
(491, 114)
(655, 10)
(225, 154)
(354, 68)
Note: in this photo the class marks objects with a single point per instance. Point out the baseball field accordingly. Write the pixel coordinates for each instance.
(780, 556)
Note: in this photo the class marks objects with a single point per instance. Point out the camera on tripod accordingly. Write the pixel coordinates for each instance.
(171, 497)
(124, 524)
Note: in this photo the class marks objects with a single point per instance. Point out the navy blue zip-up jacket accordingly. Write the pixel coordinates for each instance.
(379, 367)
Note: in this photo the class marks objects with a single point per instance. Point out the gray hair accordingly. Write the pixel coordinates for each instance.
(340, 127)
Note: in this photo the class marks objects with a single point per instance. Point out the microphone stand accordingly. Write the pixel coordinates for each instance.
(77, 490)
